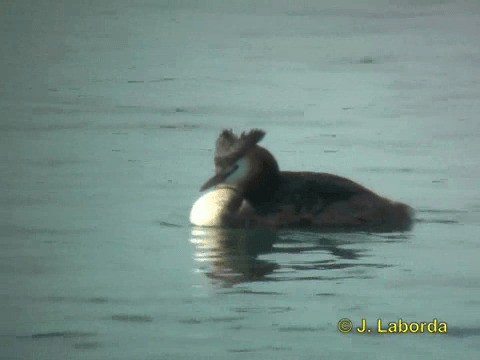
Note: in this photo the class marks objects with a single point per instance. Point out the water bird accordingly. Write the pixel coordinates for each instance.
(249, 190)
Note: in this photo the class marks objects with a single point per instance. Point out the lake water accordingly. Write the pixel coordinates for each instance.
(108, 117)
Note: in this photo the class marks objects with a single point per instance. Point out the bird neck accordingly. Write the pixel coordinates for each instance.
(262, 186)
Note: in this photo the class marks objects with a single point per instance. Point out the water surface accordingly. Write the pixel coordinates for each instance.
(108, 117)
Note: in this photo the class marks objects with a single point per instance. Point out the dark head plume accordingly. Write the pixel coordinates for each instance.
(230, 147)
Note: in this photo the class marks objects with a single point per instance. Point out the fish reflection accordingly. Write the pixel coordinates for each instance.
(231, 254)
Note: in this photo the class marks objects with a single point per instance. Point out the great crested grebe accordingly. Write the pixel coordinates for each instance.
(250, 190)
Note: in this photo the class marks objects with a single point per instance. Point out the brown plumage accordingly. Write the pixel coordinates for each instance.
(275, 198)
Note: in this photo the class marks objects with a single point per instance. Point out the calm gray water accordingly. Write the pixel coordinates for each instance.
(108, 117)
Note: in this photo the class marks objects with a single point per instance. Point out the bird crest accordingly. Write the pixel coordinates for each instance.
(230, 147)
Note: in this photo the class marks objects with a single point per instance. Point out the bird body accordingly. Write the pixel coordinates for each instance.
(250, 190)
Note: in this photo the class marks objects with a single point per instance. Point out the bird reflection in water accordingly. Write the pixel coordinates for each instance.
(231, 256)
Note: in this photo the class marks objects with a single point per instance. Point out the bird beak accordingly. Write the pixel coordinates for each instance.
(215, 180)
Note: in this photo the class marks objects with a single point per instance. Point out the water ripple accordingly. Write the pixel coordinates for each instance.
(230, 257)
